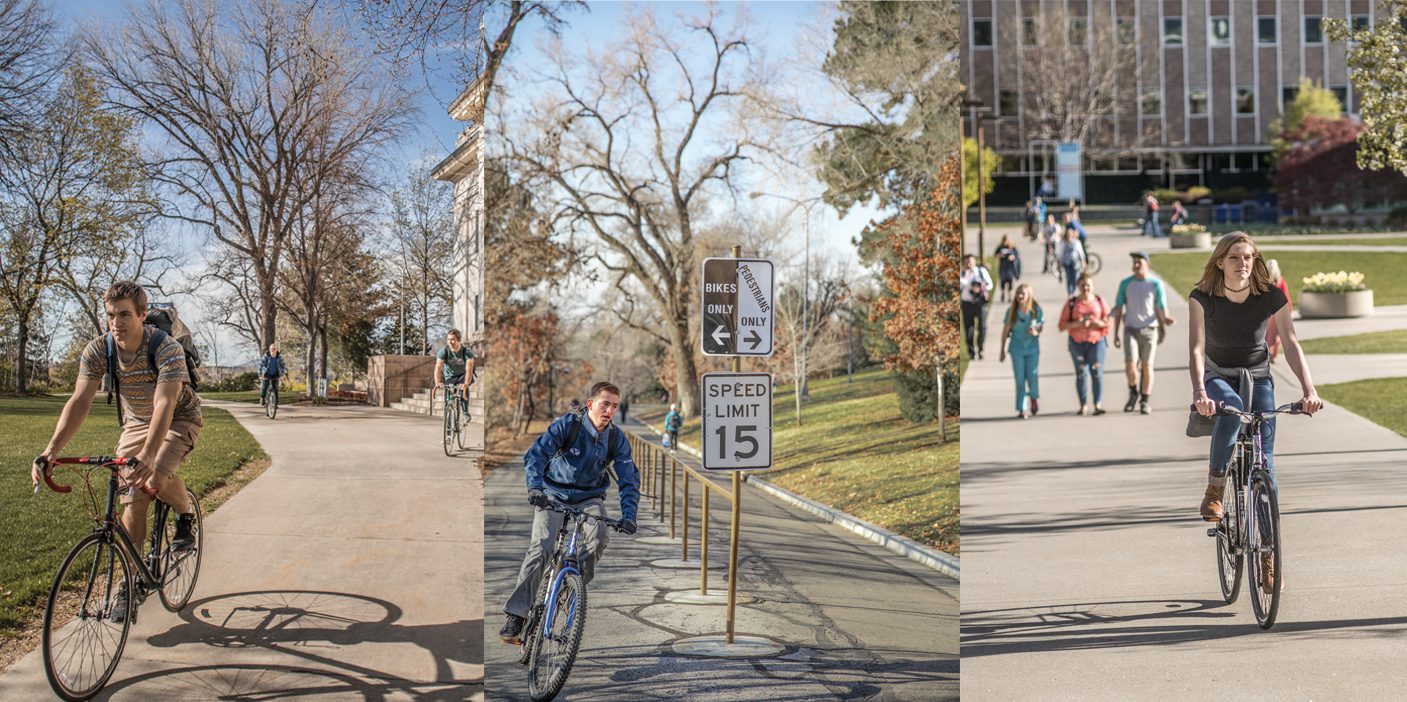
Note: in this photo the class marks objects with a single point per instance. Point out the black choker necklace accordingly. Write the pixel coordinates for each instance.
(1231, 289)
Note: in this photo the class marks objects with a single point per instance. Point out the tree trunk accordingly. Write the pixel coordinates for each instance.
(686, 374)
(268, 312)
(322, 351)
(22, 356)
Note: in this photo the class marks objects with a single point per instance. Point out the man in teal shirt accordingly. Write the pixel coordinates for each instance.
(1142, 305)
(454, 365)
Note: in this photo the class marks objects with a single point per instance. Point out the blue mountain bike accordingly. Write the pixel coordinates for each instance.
(554, 626)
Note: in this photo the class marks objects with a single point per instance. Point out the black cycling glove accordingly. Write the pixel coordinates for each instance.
(537, 498)
(628, 526)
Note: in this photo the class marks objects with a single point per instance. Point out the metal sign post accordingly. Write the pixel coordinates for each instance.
(738, 315)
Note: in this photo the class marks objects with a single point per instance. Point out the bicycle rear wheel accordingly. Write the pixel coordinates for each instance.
(1093, 263)
(1230, 542)
(81, 644)
(180, 569)
(558, 638)
(1263, 536)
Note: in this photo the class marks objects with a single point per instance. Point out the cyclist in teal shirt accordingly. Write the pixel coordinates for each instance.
(454, 365)
(568, 463)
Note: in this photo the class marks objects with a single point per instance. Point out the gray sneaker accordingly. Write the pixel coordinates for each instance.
(1143, 407)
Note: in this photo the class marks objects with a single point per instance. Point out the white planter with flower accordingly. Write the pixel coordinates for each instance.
(1328, 295)
(1190, 236)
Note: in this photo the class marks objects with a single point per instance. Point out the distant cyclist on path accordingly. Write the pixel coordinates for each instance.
(271, 368)
(454, 365)
(568, 463)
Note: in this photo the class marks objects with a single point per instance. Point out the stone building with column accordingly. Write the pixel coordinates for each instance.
(464, 170)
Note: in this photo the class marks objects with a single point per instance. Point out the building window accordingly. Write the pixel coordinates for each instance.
(1265, 30)
(1126, 30)
(1079, 31)
(1245, 101)
(1288, 94)
(1359, 22)
(1006, 103)
(1219, 33)
(1172, 31)
(981, 32)
(1152, 104)
(1197, 101)
(1028, 31)
(1314, 30)
(1341, 92)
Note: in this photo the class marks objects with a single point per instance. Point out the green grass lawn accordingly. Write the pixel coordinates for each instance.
(1383, 271)
(1394, 341)
(856, 453)
(1378, 399)
(40, 528)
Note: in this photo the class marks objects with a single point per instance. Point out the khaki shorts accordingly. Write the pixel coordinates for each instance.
(180, 441)
(1140, 344)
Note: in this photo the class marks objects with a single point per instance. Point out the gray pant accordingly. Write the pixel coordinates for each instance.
(544, 536)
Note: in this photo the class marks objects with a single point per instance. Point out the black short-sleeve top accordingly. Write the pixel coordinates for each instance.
(1236, 331)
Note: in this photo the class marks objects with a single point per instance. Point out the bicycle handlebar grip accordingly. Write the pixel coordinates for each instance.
(45, 469)
(1297, 407)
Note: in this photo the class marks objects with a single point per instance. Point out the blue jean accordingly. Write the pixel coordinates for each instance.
(1072, 273)
(1089, 361)
(1024, 366)
(1151, 226)
(1226, 428)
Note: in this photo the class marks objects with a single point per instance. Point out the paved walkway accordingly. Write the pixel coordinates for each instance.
(1088, 574)
(349, 570)
(857, 621)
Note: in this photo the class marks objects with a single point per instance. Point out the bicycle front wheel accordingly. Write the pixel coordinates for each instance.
(1267, 575)
(271, 404)
(84, 631)
(1230, 541)
(1093, 264)
(179, 569)
(558, 640)
(449, 425)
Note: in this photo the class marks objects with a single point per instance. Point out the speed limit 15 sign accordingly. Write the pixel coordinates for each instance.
(737, 421)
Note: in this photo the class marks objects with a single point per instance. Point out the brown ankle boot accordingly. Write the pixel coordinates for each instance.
(1211, 504)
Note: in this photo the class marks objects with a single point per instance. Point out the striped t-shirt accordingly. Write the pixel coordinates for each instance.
(137, 381)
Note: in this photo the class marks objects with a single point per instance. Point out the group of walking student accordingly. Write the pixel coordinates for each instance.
(1136, 321)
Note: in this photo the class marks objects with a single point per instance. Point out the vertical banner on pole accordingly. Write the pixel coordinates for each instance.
(1069, 171)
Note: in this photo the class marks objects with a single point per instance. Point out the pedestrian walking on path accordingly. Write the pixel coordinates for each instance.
(1021, 336)
(1071, 255)
(1086, 318)
(1151, 227)
(1050, 240)
(1142, 306)
(1008, 266)
(1227, 314)
(976, 291)
(1272, 335)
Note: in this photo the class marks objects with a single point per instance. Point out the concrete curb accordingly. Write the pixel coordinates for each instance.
(944, 563)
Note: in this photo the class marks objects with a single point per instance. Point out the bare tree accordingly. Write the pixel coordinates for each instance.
(422, 229)
(619, 142)
(31, 57)
(803, 323)
(1080, 70)
(257, 103)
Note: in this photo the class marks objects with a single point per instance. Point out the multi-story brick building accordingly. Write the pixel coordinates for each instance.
(1208, 79)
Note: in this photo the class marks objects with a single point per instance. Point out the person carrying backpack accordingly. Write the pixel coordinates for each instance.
(158, 409)
(672, 422)
(271, 368)
(454, 365)
(1071, 255)
(1086, 318)
(568, 463)
(976, 291)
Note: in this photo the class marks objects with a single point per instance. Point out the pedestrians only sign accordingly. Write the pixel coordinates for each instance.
(737, 421)
(738, 295)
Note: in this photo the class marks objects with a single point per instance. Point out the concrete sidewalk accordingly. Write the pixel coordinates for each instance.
(854, 620)
(1089, 574)
(351, 569)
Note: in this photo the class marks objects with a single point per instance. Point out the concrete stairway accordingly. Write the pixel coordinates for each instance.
(420, 403)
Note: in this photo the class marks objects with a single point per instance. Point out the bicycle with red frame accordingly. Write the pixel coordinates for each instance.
(87, 617)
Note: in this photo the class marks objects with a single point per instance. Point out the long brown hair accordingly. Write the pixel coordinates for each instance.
(1214, 279)
(1030, 297)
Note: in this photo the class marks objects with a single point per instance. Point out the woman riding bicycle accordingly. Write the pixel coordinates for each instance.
(1229, 310)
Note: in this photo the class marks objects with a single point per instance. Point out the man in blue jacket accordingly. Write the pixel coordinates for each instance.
(271, 368)
(568, 464)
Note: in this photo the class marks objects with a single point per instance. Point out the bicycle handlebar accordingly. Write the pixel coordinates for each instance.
(555, 506)
(1228, 410)
(112, 463)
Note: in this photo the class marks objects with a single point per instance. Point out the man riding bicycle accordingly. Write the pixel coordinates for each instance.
(454, 365)
(158, 410)
(568, 463)
(672, 422)
(271, 368)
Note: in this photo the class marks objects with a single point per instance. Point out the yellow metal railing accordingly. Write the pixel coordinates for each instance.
(660, 474)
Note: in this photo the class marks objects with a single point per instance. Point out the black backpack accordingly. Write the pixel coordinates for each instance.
(163, 320)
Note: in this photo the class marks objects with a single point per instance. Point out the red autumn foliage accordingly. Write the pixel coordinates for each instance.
(1321, 169)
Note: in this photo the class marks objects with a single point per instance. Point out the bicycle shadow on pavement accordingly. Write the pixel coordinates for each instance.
(322, 628)
(256, 681)
(1132, 623)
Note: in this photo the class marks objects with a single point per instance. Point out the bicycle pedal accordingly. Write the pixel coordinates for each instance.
(1212, 531)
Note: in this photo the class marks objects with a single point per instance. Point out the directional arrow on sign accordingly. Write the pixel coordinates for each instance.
(753, 338)
(720, 333)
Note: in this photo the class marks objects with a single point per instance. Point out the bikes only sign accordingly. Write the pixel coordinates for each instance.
(738, 296)
(737, 421)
